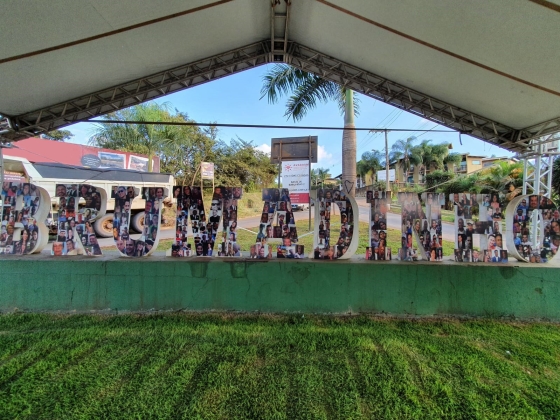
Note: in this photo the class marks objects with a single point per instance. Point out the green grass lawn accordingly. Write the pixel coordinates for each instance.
(246, 239)
(275, 367)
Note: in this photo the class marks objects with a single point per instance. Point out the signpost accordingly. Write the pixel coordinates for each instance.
(298, 152)
(295, 176)
(206, 172)
(382, 175)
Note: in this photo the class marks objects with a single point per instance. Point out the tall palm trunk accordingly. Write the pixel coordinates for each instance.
(349, 147)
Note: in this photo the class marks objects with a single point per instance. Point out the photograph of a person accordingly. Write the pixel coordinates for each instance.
(262, 251)
(266, 194)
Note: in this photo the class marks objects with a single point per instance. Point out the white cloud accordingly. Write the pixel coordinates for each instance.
(264, 148)
(324, 157)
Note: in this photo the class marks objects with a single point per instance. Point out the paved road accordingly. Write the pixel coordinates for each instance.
(393, 221)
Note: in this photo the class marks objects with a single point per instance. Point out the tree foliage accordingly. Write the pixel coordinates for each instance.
(304, 90)
(319, 176)
(58, 135)
(407, 151)
(371, 162)
(182, 148)
(556, 176)
(239, 163)
(139, 137)
(501, 177)
(425, 155)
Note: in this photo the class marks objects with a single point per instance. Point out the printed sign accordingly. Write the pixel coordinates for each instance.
(295, 177)
(138, 163)
(382, 175)
(207, 170)
(112, 160)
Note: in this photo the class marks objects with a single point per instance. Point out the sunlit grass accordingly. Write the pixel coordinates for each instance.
(284, 367)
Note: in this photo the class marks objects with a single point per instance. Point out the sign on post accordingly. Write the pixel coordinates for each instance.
(207, 170)
(295, 177)
(293, 148)
(382, 175)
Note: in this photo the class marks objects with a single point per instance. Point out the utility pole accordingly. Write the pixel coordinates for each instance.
(387, 182)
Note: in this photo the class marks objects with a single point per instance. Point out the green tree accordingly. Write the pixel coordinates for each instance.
(305, 90)
(370, 162)
(239, 163)
(407, 151)
(149, 139)
(503, 177)
(192, 145)
(434, 156)
(556, 176)
(58, 135)
(319, 176)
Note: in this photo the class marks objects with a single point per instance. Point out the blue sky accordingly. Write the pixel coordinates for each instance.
(236, 99)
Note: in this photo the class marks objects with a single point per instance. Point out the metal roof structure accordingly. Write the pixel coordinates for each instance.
(487, 68)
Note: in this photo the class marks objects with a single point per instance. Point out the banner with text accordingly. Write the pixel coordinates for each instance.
(207, 170)
(295, 177)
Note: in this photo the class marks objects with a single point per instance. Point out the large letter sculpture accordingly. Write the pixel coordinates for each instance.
(75, 234)
(422, 226)
(205, 230)
(282, 234)
(378, 249)
(347, 243)
(532, 228)
(25, 207)
(477, 221)
(149, 238)
(412, 214)
(224, 204)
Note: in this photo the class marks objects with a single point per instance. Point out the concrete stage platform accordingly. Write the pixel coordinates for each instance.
(109, 283)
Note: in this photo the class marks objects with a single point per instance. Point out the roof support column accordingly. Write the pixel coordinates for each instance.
(279, 20)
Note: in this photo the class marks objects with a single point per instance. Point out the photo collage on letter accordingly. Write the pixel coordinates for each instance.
(190, 206)
(325, 249)
(526, 215)
(277, 229)
(414, 222)
(466, 208)
(124, 196)
(75, 223)
(470, 223)
(205, 229)
(224, 204)
(378, 249)
(491, 211)
(20, 204)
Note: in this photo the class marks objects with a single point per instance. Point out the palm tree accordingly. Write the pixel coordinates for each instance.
(503, 176)
(434, 155)
(406, 150)
(454, 158)
(305, 90)
(137, 137)
(319, 175)
(371, 162)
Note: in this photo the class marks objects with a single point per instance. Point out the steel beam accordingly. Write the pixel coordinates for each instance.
(138, 91)
(400, 96)
(272, 50)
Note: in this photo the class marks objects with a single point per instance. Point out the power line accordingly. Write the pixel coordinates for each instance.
(297, 127)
